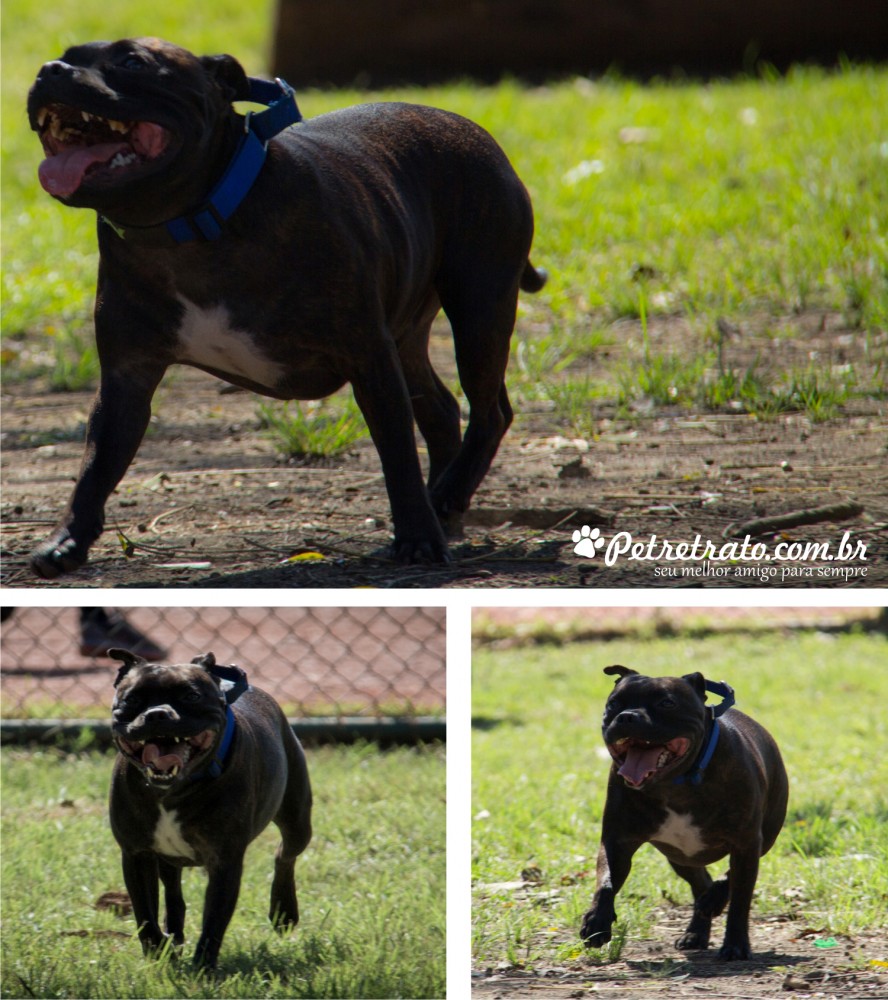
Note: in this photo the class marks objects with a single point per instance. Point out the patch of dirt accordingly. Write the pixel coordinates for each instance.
(785, 963)
(208, 503)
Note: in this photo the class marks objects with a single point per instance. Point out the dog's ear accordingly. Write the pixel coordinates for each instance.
(697, 682)
(232, 680)
(622, 671)
(229, 76)
(129, 660)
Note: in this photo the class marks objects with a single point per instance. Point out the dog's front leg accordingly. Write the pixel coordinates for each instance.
(219, 903)
(612, 870)
(140, 876)
(171, 876)
(381, 393)
(117, 423)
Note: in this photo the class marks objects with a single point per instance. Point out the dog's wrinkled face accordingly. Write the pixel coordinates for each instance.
(654, 727)
(120, 117)
(167, 720)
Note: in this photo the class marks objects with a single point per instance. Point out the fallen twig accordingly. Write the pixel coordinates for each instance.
(780, 522)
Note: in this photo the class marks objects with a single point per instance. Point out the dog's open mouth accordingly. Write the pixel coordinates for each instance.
(641, 760)
(163, 759)
(79, 145)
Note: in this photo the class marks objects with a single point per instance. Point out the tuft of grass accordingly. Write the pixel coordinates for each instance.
(75, 361)
(371, 888)
(660, 379)
(575, 400)
(536, 362)
(818, 394)
(313, 430)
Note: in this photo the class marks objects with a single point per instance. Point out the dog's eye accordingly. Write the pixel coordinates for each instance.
(667, 703)
(132, 61)
(191, 696)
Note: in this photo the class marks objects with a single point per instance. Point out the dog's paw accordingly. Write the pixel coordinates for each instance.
(735, 951)
(158, 945)
(693, 941)
(284, 914)
(58, 554)
(420, 550)
(594, 933)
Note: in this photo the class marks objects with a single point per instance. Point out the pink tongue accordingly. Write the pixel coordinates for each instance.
(161, 762)
(639, 763)
(62, 174)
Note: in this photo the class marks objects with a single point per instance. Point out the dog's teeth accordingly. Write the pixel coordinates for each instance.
(174, 770)
(117, 126)
(42, 115)
(86, 116)
(121, 160)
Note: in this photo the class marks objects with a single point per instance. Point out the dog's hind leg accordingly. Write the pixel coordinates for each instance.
(283, 910)
(708, 903)
(434, 408)
(482, 320)
(294, 822)
(381, 391)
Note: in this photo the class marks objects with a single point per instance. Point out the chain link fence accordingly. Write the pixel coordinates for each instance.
(317, 662)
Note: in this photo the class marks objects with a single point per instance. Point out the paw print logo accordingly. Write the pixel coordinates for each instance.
(587, 541)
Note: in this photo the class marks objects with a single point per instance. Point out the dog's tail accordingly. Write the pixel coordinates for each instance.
(533, 278)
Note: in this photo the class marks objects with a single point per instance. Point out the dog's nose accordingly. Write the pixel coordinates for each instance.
(166, 712)
(631, 715)
(56, 67)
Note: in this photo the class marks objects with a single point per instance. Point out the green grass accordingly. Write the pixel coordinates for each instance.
(748, 201)
(371, 888)
(540, 773)
(313, 430)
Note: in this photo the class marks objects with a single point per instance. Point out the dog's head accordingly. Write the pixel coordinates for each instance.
(654, 727)
(168, 721)
(130, 128)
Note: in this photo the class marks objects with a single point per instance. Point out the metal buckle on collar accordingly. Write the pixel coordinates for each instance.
(725, 692)
(286, 89)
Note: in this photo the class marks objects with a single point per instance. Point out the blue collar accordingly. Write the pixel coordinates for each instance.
(214, 768)
(206, 222)
(726, 692)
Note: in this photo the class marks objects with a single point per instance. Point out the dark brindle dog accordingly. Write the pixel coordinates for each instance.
(205, 762)
(698, 783)
(287, 260)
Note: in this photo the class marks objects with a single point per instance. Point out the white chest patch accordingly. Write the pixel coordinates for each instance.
(168, 839)
(679, 832)
(206, 337)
